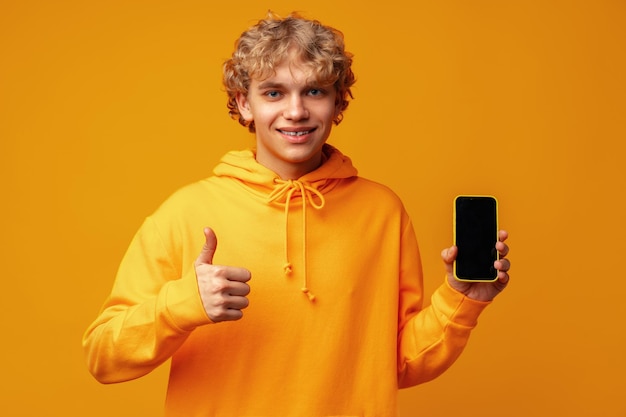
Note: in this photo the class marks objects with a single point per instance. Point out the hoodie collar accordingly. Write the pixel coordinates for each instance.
(307, 190)
(242, 165)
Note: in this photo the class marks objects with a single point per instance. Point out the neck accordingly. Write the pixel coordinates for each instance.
(291, 170)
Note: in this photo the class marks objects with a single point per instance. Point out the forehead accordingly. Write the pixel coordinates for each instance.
(288, 73)
(293, 66)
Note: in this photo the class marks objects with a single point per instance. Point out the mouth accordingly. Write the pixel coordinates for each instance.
(296, 133)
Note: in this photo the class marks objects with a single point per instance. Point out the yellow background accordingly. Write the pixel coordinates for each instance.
(106, 107)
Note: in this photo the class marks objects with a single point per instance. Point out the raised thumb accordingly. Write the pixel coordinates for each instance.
(208, 249)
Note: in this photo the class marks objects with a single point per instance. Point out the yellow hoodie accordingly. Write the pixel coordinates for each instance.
(335, 324)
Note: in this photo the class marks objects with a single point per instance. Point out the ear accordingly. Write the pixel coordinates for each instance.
(244, 106)
(337, 114)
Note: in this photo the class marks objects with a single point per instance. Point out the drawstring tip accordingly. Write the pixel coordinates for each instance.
(308, 293)
(287, 268)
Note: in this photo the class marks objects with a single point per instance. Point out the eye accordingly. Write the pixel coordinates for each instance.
(316, 92)
(272, 94)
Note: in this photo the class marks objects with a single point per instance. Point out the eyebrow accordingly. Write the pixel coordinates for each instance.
(270, 84)
(277, 85)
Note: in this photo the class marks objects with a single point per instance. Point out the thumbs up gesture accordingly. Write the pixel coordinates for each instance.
(223, 289)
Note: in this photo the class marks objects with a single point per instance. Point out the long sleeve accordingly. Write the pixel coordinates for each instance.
(153, 306)
(430, 339)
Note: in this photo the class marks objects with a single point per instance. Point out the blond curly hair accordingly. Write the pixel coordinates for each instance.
(262, 47)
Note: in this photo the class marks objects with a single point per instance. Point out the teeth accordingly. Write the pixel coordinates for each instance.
(295, 133)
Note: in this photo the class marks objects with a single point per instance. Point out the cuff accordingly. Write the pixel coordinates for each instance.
(184, 305)
(456, 307)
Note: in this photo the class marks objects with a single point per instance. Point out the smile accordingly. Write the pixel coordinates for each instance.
(299, 133)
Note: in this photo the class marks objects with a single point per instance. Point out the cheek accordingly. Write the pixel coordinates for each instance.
(333, 107)
(261, 114)
(325, 110)
(331, 112)
(264, 117)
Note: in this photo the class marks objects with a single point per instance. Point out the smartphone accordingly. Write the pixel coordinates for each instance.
(475, 235)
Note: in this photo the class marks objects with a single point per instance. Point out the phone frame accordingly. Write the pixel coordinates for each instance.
(497, 255)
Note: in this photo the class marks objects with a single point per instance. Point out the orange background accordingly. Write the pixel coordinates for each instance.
(108, 107)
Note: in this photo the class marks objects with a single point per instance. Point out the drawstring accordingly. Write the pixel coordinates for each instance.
(285, 190)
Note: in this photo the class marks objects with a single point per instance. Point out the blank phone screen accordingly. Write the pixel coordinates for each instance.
(476, 234)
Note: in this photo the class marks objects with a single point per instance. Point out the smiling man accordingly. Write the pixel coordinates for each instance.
(313, 304)
(292, 115)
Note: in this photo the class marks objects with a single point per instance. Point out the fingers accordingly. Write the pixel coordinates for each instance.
(224, 291)
(502, 280)
(501, 247)
(502, 266)
(220, 314)
(230, 273)
(227, 308)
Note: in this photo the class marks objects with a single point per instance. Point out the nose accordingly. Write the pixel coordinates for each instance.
(296, 108)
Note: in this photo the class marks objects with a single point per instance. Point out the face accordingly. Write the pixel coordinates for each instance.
(293, 117)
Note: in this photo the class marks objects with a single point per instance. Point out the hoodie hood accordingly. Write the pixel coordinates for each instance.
(307, 190)
(242, 165)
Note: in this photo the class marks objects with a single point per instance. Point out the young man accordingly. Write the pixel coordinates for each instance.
(311, 305)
